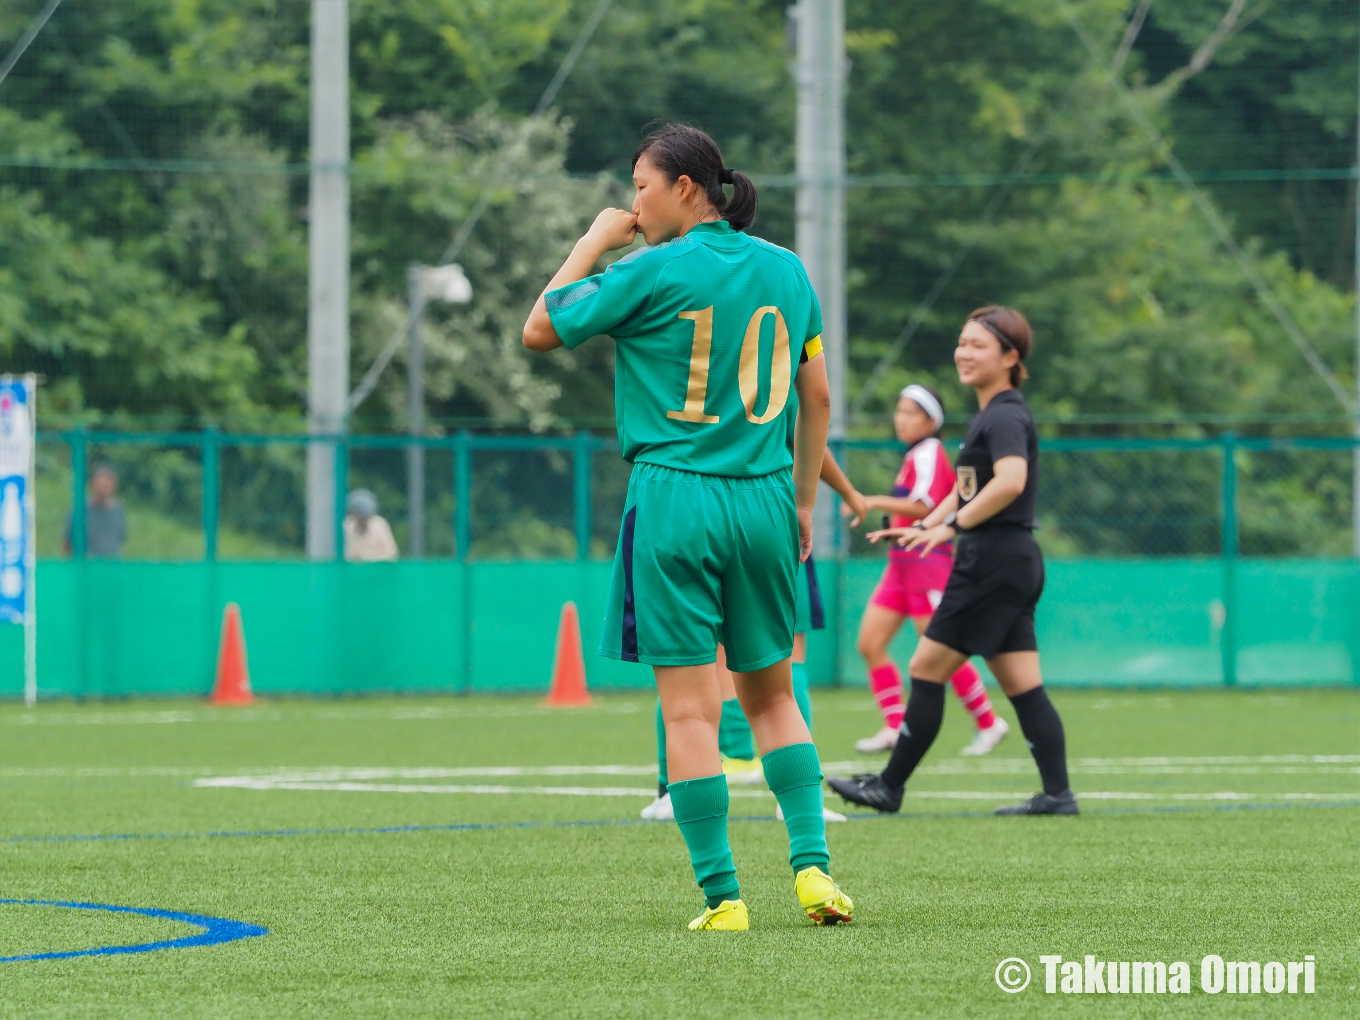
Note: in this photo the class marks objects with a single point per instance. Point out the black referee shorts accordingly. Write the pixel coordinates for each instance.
(988, 605)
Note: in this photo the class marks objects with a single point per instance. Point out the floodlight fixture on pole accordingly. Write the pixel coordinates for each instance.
(446, 283)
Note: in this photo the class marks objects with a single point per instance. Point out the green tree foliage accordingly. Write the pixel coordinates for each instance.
(141, 287)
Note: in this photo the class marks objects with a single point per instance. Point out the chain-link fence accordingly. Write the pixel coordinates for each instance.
(242, 497)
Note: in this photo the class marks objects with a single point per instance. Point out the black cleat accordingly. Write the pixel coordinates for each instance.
(1064, 803)
(868, 789)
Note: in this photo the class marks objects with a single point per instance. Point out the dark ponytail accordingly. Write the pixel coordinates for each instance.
(678, 150)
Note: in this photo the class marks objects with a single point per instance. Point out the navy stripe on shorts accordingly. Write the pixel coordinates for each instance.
(629, 645)
(815, 596)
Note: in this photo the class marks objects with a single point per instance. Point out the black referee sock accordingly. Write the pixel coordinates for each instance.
(1044, 733)
(925, 710)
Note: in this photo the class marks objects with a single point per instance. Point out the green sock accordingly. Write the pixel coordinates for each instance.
(801, 693)
(795, 778)
(734, 732)
(661, 784)
(701, 812)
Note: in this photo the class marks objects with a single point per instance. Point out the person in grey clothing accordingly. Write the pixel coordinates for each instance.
(105, 521)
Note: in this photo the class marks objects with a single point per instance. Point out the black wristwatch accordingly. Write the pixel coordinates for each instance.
(951, 520)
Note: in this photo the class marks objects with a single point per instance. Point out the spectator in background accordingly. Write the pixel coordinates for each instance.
(105, 521)
(368, 536)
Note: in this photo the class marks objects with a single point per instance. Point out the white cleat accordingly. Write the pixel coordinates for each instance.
(827, 815)
(659, 810)
(985, 741)
(884, 740)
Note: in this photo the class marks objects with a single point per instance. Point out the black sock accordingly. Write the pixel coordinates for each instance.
(1043, 732)
(925, 710)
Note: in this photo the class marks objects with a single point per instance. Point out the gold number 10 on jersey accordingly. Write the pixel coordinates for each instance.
(748, 375)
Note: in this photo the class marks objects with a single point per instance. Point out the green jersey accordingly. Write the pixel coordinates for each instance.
(709, 330)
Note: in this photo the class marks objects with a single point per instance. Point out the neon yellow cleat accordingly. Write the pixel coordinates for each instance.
(729, 915)
(821, 897)
(743, 771)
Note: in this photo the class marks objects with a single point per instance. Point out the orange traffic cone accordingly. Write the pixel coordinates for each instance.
(232, 686)
(569, 665)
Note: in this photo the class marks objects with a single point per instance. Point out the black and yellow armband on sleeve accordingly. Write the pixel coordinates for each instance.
(811, 349)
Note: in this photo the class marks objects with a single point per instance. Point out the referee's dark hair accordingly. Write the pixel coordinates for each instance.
(680, 150)
(1009, 327)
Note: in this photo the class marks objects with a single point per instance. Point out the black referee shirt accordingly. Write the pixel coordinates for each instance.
(1004, 428)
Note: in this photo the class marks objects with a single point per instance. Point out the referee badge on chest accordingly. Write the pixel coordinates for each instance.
(967, 483)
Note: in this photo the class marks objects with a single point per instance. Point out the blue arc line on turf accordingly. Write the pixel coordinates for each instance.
(216, 930)
(379, 830)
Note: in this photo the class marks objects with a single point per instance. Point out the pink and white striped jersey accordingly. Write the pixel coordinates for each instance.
(926, 476)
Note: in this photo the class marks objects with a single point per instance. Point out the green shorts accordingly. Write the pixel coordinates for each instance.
(703, 559)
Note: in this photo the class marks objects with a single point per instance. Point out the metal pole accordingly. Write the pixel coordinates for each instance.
(415, 399)
(328, 265)
(79, 470)
(819, 28)
(339, 484)
(1228, 635)
(1355, 473)
(462, 495)
(462, 536)
(30, 549)
(212, 484)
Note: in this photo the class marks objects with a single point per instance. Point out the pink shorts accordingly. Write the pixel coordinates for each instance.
(913, 586)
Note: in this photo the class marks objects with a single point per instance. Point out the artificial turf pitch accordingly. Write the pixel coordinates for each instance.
(353, 831)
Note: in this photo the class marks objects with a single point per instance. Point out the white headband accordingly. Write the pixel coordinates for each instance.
(927, 402)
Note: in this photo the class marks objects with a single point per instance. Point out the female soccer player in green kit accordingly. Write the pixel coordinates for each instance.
(722, 407)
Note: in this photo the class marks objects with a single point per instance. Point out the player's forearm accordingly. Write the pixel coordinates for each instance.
(912, 508)
(809, 432)
(947, 506)
(836, 478)
(588, 250)
(1005, 488)
(539, 334)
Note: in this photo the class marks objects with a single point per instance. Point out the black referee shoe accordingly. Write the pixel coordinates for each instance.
(868, 789)
(1064, 803)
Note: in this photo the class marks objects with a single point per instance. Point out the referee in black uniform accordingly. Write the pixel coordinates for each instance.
(988, 605)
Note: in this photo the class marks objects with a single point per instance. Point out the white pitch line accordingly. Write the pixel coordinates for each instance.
(1128, 795)
(1242, 765)
(255, 783)
(1295, 764)
(267, 783)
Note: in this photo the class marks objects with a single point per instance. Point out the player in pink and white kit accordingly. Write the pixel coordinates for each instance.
(912, 585)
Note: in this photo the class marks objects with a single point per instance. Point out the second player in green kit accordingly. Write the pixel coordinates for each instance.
(721, 406)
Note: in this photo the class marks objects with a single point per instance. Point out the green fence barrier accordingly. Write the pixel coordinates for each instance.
(1171, 562)
(119, 628)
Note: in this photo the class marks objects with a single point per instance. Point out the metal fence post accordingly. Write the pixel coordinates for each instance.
(462, 494)
(583, 450)
(462, 536)
(79, 453)
(341, 493)
(1228, 635)
(79, 470)
(212, 483)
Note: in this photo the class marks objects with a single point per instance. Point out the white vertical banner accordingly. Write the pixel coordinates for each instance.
(18, 537)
